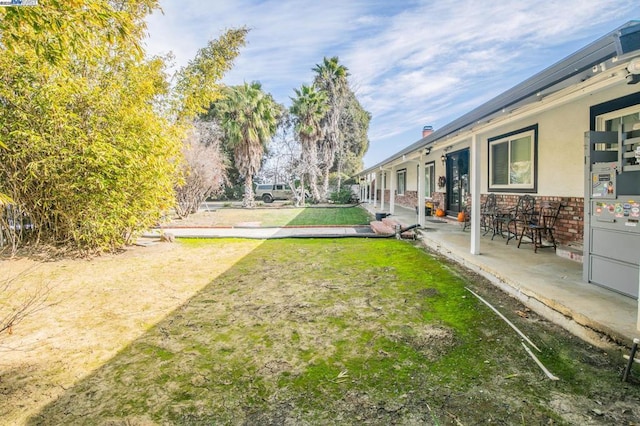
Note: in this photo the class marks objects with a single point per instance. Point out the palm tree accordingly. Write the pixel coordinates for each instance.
(308, 108)
(332, 78)
(249, 118)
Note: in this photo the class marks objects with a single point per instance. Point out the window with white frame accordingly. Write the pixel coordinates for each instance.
(402, 181)
(512, 161)
(627, 119)
(429, 179)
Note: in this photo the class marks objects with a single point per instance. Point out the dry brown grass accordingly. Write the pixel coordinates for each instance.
(99, 307)
(274, 215)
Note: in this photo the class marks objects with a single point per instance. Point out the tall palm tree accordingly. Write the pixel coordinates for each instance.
(308, 108)
(249, 118)
(331, 77)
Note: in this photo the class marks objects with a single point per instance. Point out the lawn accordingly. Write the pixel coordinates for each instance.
(277, 215)
(347, 331)
(331, 216)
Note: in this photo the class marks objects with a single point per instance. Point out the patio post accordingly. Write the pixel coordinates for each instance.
(382, 185)
(375, 189)
(392, 192)
(420, 206)
(475, 194)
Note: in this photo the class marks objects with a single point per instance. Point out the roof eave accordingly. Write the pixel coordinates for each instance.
(585, 61)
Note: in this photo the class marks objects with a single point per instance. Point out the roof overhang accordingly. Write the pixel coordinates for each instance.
(596, 66)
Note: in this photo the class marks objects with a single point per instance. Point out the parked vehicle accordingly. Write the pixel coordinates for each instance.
(269, 192)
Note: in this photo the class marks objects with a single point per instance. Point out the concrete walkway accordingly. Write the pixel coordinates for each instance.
(264, 233)
(549, 284)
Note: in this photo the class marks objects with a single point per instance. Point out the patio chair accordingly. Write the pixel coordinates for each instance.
(466, 219)
(488, 214)
(541, 224)
(514, 219)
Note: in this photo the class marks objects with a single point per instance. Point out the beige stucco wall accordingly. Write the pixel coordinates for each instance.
(560, 145)
(412, 172)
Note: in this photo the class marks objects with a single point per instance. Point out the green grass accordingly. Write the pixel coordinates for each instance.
(346, 331)
(332, 216)
(282, 216)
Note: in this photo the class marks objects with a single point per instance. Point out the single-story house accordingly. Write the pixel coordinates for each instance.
(570, 133)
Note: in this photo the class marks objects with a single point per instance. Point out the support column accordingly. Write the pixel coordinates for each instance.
(382, 188)
(475, 194)
(375, 189)
(366, 189)
(392, 191)
(420, 207)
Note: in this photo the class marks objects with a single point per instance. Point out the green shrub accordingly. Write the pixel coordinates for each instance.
(343, 196)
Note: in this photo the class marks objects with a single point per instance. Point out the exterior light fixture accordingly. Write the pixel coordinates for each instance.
(443, 158)
(634, 66)
(634, 71)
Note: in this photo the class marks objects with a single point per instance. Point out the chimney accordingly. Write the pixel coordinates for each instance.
(426, 131)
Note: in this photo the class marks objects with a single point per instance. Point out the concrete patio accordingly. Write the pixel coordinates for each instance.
(549, 284)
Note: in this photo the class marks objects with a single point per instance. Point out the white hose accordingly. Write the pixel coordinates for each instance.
(542, 367)
(505, 319)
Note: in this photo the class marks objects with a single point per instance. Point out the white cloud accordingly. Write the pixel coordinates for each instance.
(412, 62)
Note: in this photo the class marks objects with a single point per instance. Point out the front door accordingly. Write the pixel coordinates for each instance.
(457, 181)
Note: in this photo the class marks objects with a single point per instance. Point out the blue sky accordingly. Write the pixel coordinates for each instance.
(412, 63)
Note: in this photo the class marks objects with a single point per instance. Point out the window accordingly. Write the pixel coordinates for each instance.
(402, 181)
(628, 119)
(512, 161)
(429, 179)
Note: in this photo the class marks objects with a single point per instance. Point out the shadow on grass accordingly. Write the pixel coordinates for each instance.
(333, 332)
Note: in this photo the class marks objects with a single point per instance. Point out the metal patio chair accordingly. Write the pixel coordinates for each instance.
(541, 224)
(488, 214)
(514, 219)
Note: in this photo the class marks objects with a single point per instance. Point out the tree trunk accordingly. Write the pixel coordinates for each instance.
(247, 199)
(339, 171)
(325, 186)
(315, 193)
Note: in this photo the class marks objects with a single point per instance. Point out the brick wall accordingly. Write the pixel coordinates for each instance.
(410, 198)
(570, 224)
(569, 227)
